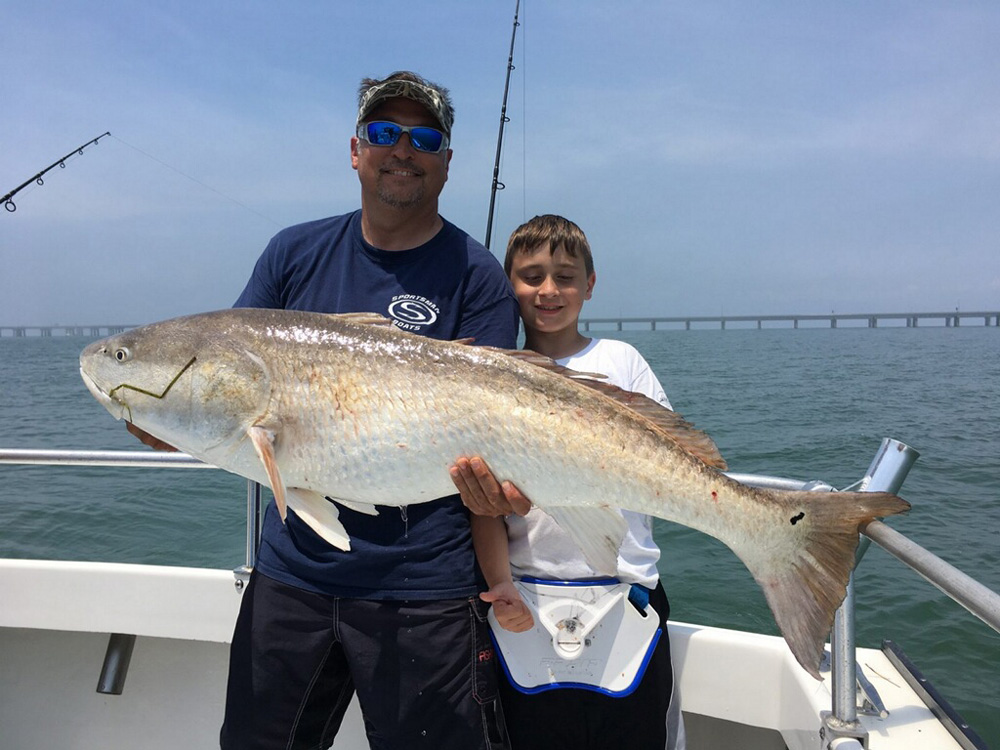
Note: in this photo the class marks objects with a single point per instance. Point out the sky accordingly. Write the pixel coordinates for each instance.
(723, 157)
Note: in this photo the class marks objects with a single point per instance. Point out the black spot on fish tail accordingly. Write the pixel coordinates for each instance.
(796, 519)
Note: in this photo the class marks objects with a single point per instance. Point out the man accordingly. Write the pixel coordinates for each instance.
(396, 619)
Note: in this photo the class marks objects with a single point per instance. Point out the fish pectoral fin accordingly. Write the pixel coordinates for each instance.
(358, 507)
(598, 532)
(263, 444)
(320, 515)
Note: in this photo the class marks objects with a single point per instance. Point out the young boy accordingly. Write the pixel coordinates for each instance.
(551, 269)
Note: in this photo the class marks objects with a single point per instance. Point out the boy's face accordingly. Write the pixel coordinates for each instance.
(551, 288)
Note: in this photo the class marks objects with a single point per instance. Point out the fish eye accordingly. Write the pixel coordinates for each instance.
(122, 354)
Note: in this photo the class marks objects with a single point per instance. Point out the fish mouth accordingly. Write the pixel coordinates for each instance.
(113, 405)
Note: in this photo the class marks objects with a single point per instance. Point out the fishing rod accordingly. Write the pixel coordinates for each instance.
(9, 204)
(497, 185)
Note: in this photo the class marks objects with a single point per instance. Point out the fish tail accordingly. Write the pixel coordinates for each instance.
(805, 591)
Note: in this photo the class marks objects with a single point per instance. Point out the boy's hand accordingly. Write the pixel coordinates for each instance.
(510, 610)
(482, 493)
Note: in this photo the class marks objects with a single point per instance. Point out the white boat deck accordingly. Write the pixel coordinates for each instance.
(738, 690)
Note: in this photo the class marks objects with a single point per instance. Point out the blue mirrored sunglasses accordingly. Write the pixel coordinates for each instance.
(385, 133)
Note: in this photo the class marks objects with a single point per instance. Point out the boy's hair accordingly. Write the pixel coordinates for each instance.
(559, 232)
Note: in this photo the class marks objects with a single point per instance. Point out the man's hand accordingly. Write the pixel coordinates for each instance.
(510, 610)
(482, 493)
(145, 437)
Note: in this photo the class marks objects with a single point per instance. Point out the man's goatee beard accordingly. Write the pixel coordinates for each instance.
(396, 201)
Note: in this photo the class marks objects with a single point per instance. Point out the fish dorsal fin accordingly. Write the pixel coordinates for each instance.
(546, 363)
(670, 423)
(363, 318)
(678, 429)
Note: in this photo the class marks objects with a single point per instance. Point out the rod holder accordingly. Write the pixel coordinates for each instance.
(886, 474)
(116, 661)
(888, 469)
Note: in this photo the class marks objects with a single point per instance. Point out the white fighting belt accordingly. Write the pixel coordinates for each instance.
(586, 635)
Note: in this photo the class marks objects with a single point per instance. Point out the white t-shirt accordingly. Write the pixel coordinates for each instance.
(538, 546)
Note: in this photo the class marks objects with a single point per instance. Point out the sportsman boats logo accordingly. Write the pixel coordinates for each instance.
(412, 312)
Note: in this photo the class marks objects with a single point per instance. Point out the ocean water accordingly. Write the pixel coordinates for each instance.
(807, 403)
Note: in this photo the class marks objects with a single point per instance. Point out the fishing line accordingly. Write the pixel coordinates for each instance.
(145, 392)
(197, 181)
(137, 389)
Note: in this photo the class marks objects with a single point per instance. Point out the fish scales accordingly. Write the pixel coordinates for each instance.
(347, 407)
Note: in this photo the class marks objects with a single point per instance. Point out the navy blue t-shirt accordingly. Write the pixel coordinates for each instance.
(449, 288)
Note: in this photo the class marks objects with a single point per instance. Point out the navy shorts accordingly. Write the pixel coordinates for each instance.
(424, 672)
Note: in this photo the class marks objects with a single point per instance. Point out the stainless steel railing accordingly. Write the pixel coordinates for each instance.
(886, 473)
(160, 459)
(147, 459)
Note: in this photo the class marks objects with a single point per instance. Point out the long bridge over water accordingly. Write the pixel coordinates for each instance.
(951, 319)
(63, 330)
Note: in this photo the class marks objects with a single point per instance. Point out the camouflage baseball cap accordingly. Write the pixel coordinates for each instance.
(408, 86)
